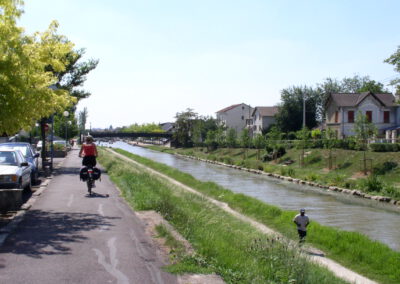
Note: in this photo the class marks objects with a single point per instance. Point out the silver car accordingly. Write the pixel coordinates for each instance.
(15, 171)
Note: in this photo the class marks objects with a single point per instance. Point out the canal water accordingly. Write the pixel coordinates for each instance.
(378, 221)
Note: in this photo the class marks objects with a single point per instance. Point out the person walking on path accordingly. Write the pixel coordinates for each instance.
(302, 221)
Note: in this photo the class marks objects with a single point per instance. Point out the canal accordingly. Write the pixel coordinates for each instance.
(378, 221)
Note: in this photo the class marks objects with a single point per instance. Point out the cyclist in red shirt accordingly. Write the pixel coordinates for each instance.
(88, 152)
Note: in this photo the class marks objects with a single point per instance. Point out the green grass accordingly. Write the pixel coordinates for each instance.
(223, 244)
(354, 250)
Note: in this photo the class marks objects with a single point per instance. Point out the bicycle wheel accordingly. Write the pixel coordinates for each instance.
(89, 186)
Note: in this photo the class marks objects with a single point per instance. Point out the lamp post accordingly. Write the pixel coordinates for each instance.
(66, 114)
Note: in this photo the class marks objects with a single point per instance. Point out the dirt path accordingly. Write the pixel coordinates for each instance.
(313, 254)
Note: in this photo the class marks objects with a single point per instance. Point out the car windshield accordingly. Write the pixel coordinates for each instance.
(24, 150)
(8, 158)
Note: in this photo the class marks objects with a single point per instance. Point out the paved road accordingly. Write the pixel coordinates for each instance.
(68, 237)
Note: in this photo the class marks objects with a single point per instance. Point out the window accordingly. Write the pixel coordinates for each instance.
(369, 115)
(350, 116)
(242, 117)
(386, 116)
(336, 116)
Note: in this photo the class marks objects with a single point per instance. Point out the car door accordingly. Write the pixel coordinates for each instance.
(26, 170)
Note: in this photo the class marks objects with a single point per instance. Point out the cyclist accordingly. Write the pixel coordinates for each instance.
(88, 152)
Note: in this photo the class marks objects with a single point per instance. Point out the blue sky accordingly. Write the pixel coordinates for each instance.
(160, 57)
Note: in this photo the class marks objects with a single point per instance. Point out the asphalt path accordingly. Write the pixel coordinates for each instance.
(69, 237)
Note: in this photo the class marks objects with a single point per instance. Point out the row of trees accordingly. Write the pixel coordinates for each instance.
(40, 75)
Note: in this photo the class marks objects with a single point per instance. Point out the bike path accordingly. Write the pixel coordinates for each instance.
(69, 237)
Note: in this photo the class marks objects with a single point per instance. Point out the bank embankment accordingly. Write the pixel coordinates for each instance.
(345, 177)
(223, 244)
(353, 250)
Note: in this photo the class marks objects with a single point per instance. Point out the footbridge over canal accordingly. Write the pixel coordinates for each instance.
(113, 134)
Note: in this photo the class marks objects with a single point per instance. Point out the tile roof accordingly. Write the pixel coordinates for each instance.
(354, 99)
(228, 108)
(266, 111)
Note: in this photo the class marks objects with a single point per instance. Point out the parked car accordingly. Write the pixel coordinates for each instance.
(15, 171)
(30, 155)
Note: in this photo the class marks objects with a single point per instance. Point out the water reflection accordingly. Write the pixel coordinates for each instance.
(332, 209)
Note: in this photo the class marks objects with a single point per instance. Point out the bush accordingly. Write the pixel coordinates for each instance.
(372, 183)
(381, 169)
(228, 160)
(384, 147)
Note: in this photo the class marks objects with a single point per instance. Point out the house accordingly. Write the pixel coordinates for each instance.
(235, 116)
(168, 127)
(262, 118)
(380, 109)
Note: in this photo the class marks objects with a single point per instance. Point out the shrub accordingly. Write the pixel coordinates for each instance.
(211, 157)
(372, 183)
(381, 169)
(228, 160)
(384, 147)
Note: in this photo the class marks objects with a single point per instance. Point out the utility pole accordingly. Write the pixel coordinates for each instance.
(304, 111)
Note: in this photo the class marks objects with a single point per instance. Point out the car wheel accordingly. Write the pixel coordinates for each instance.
(35, 178)
(28, 187)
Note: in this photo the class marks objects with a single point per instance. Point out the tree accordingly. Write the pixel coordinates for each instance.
(211, 140)
(82, 119)
(394, 59)
(184, 127)
(290, 115)
(245, 140)
(231, 138)
(25, 96)
(364, 129)
(259, 142)
(328, 142)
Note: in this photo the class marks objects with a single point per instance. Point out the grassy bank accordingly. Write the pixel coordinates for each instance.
(356, 251)
(224, 244)
(347, 168)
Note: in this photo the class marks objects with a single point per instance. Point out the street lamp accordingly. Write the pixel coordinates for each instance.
(66, 114)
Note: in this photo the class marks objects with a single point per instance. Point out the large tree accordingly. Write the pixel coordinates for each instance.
(290, 115)
(394, 59)
(184, 127)
(25, 96)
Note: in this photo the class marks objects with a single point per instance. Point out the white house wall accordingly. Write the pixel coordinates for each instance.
(236, 118)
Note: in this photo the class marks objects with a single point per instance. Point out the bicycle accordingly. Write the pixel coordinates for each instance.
(89, 174)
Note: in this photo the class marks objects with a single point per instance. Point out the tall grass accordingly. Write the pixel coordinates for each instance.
(354, 250)
(224, 244)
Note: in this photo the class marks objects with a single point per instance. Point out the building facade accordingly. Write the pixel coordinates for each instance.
(262, 118)
(236, 116)
(380, 109)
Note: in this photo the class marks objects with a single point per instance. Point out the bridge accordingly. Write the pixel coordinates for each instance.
(112, 134)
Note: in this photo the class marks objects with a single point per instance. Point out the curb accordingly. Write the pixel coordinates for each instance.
(19, 215)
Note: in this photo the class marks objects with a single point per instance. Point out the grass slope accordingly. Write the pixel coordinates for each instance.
(225, 245)
(354, 250)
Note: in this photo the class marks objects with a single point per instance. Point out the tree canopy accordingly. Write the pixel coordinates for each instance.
(394, 59)
(25, 78)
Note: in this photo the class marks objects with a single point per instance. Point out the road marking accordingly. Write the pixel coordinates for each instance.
(112, 266)
(148, 259)
(71, 199)
(101, 212)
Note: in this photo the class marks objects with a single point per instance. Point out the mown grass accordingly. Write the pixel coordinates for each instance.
(224, 245)
(347, 168)
(354, 250)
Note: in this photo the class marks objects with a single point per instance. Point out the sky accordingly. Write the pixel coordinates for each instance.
(159, 57)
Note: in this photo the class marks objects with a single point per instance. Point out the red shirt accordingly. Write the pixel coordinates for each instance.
(88, 149)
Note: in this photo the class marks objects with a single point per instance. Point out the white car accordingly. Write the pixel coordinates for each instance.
(15, 171)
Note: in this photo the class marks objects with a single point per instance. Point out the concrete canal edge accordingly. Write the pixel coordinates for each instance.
(319, 258)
